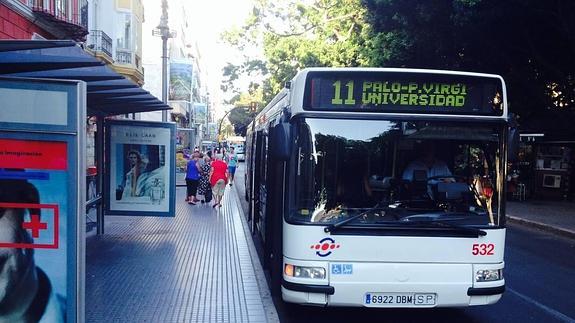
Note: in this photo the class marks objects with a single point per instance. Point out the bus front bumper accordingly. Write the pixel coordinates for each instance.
(322, 296)
(396, 286)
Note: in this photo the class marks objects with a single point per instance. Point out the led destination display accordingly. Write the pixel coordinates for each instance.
(403, 93)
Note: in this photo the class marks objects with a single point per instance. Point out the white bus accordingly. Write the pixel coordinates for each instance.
(382, 187)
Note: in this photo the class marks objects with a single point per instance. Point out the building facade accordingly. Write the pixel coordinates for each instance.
(44, 19)
(115, 37)
(186, 87)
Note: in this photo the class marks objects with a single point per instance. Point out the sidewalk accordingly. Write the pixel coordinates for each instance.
(554, 216)
(196, 267)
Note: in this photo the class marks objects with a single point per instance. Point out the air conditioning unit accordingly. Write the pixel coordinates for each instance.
(551, 181)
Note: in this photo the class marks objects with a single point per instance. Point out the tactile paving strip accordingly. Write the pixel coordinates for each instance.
(195, 267)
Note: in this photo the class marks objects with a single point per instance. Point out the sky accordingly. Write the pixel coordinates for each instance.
(208, 19)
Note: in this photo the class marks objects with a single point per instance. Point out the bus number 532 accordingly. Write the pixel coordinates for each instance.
(482, 249)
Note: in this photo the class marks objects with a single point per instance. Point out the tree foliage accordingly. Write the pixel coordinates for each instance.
(297, 34)
(530, 43)
(241, 115)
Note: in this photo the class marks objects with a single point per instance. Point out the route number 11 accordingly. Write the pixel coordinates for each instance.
(337, 96)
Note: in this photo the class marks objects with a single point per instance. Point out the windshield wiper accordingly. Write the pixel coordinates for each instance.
(333, 226)
(447, 224)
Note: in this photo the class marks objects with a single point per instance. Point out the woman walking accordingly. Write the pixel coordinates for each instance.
(232, 160)
(192, 178)
(218, 179)
(204, 188)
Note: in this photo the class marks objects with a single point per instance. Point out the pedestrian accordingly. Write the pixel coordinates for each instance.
(192, 179)
(218, 179)
(232, 160)
(204, 188)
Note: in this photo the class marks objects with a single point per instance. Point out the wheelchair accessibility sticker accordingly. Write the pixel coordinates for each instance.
(342, 269)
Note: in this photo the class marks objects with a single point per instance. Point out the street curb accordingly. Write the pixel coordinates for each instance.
(542, 226)
(269, 306)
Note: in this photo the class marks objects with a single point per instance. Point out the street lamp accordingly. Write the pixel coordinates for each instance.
(163, 30)
(221, 122)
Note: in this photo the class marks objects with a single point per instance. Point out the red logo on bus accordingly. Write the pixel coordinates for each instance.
(324, 247)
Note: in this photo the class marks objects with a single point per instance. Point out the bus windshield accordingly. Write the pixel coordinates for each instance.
(396, 171)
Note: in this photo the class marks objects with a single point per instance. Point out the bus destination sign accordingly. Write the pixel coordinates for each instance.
(404, 93)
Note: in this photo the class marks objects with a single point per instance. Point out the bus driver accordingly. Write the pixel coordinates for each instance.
(419, 171)
(427, 165)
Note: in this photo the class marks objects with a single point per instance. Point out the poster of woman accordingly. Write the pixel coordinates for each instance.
(35, 240)
(141, 156)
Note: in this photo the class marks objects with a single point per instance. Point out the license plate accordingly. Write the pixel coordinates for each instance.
(399, 299)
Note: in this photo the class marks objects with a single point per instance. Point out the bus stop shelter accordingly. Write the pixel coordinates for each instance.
(108, 93)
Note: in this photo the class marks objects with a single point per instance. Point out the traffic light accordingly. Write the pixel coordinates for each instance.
(253, 106)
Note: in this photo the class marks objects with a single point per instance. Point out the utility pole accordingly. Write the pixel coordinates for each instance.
(163, 30)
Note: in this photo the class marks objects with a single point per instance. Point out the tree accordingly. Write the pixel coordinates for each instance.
(298, 34)
(241, 115)
(530, 43)
(240, 118)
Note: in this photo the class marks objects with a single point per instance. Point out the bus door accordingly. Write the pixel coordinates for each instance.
(260, 187)
(268, 176)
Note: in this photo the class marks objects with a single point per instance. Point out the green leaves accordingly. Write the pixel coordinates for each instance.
(299, 34)
(531, 43)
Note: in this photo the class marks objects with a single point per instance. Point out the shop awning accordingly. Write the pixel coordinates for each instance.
(111, 85)
(108, 92)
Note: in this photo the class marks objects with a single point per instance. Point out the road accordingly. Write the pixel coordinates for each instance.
(539, 274)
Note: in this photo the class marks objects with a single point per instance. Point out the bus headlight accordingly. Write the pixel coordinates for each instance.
(304, 272)
(488, 275)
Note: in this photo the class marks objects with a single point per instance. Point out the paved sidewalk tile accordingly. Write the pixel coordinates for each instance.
(195, 267)
(553, 216)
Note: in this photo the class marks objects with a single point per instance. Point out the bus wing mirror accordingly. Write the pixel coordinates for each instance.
(513, 145)
(281, 141)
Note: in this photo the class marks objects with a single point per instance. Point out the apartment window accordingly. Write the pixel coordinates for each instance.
(125, 32)
(62, 8)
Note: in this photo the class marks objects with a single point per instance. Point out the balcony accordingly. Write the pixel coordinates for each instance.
(130, 64)
(127, 57)
(100, 43)
(138, 62)
(124, 57)
(69, 16)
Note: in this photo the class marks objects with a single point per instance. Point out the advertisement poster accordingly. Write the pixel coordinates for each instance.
(37, 235)
(141, 168)
(212, 130)
(180, 80)
(200, 113)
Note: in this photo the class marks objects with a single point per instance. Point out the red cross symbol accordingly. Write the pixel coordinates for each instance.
(35, 225)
